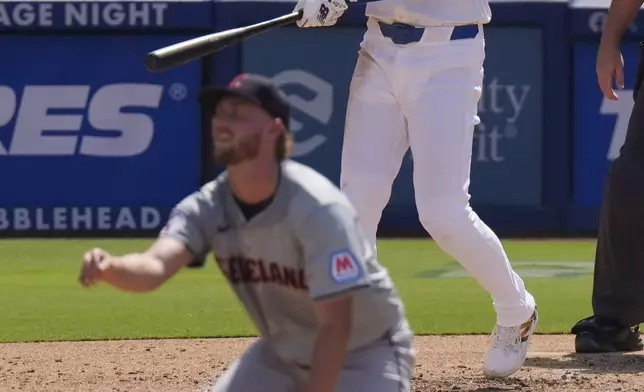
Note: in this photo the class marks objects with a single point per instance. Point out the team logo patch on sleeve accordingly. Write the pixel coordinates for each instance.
(345, 267)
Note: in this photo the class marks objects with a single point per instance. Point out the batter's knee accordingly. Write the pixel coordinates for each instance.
(366, 190)
(369, 196)
(442, 216)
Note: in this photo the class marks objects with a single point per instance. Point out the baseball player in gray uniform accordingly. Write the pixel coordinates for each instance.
(286, 238)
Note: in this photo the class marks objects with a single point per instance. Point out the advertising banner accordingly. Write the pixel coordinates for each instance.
(84, 113)
(600, 124)
(588, 18)
(507, 154)
(90, 141)
(90, 15)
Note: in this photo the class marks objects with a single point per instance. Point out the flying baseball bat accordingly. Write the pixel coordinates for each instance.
(196, 48)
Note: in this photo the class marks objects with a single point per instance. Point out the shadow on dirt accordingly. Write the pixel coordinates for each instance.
(590, 363)
(482, 384)
(458, 386)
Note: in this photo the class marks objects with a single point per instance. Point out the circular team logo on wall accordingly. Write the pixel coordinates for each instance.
(319, 108)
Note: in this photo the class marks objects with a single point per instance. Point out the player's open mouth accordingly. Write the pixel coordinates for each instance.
(223, 136)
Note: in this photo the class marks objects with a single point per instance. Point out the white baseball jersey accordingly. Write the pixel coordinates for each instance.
(304, 246)
(427, 13)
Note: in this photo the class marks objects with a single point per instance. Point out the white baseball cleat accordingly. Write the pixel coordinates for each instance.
(509, 348)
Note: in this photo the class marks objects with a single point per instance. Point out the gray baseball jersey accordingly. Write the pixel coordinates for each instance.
(305, 246)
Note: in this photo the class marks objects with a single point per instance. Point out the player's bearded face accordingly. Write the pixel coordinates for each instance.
(237, 132)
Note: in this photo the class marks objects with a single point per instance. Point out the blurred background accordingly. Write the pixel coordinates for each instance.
(92, 144)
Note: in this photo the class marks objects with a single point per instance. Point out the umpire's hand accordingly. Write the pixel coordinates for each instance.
(94, 263)
(610, 67)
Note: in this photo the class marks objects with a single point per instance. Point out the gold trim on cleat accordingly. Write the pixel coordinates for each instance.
(525, 328)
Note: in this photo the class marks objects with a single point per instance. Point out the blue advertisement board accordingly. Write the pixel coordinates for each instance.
(90, 15)
(600, 124)
(507, 153)
(90, 141)
(512, 186)
(83, 114)
(587, 21)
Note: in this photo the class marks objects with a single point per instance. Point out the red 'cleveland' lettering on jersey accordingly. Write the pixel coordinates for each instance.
(242, 270)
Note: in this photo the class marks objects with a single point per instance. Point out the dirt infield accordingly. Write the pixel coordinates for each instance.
(450, 363)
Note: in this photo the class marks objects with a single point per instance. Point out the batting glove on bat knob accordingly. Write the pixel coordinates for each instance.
(319, 13)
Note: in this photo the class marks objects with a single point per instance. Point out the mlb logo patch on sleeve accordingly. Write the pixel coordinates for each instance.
(344, 267)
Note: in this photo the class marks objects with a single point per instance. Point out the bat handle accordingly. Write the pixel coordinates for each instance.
(292, 17)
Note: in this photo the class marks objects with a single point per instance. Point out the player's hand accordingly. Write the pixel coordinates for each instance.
(94, 263)
(318, 13)
(610, 67)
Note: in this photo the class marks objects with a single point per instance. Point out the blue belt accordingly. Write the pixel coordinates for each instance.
(401, 33)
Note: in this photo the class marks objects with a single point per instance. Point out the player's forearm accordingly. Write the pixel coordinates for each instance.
(329, 355)
(620, 16)
(136, 272)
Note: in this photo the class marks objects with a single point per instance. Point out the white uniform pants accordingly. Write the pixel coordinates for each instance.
(424, 96)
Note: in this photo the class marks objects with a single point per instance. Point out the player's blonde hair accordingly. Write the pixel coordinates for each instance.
(284, 146)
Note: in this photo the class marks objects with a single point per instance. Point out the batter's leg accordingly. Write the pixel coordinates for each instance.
(375, 142)
(257, 370)
(441, 109)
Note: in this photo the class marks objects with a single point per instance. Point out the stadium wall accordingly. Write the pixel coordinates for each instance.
(92, 144)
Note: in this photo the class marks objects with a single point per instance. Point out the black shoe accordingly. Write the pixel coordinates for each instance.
(597, 334)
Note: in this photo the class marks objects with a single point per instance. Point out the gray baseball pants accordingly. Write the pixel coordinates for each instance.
(382, 367)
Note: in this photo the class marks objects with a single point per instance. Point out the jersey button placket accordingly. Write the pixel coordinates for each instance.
(245, 242)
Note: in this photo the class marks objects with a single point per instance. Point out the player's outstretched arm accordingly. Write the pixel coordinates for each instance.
(136, 272)
(179, 242)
